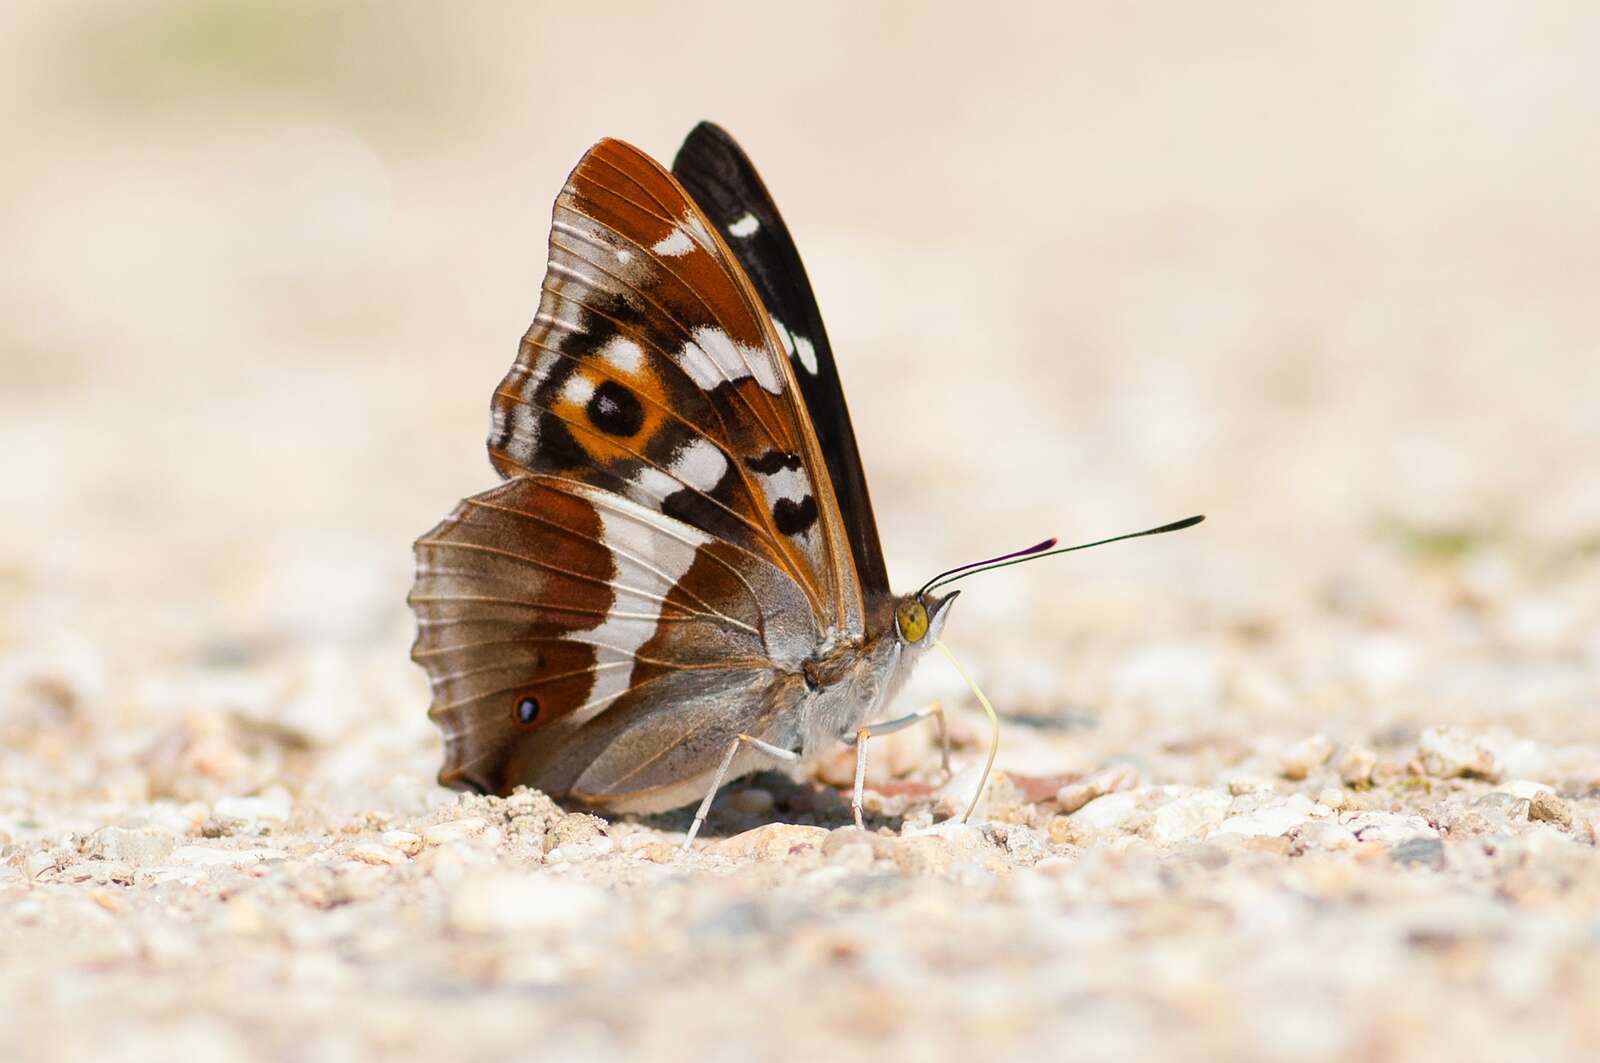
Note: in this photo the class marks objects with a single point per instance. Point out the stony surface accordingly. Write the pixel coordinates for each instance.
(1318, 780)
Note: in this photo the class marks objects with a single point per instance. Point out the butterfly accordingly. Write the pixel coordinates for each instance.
(679, 580)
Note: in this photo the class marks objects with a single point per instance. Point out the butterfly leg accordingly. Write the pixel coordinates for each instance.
(722, 770)
(887, 727)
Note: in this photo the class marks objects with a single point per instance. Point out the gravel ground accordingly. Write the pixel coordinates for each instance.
(1319, 779)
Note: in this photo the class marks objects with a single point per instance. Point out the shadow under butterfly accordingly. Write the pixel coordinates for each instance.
(679, 580)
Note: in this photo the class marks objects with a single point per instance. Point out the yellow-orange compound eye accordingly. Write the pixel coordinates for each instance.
(912, 619)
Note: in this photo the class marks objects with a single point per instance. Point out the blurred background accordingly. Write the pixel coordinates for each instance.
(1326, 276)
(1324, 273)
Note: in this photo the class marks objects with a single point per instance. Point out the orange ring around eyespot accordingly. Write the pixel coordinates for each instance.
(623, 437)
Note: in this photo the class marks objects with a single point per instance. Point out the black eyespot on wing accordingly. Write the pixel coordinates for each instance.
(793, 518)
(772, 462)
(528, 710)
(615, 410)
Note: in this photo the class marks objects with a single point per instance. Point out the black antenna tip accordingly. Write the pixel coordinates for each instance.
(1178, 525)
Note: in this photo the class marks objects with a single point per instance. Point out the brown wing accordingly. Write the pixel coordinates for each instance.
(651, 370)
(553, 616)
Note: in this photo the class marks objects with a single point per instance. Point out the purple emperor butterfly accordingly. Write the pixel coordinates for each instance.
(680, 578)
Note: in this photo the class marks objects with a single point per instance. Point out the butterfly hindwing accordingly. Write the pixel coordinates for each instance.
(724, 183)
(551, 614)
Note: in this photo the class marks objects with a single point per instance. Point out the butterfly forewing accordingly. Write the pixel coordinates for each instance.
(723, 182)
(651, 370)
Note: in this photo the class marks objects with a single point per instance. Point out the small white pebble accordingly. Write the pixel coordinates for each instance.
(1355, 767)
(1118, 777)
(131, 845)
(205, 856)
(373, 853)
(1306, 755)
(1273, 820)
(1332, 797)
(1110, 811)
(964, 836)
(404, 840)
(453, 830)
(1324, 834)
(1391, 828)
(1526, 789)
(632, 843)
(1239, 785)
(773, 841)
(1446, 752)
(39, 862)
(1190, 817)
(273, 805)
(1074, 796)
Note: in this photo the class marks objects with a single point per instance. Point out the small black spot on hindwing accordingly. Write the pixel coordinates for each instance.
(615, 410)
(793, 518)
(528, 710)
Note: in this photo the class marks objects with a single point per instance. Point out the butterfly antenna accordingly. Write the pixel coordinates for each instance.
(994, 728)
(959, 569)
(1035, 552)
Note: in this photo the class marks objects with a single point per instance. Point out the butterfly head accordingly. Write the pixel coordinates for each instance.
(919, 618)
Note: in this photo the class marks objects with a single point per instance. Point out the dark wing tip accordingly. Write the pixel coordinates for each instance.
(708, 140)
(707, 128)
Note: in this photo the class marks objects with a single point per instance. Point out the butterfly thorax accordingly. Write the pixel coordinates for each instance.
(853, 684)
(846, 687)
